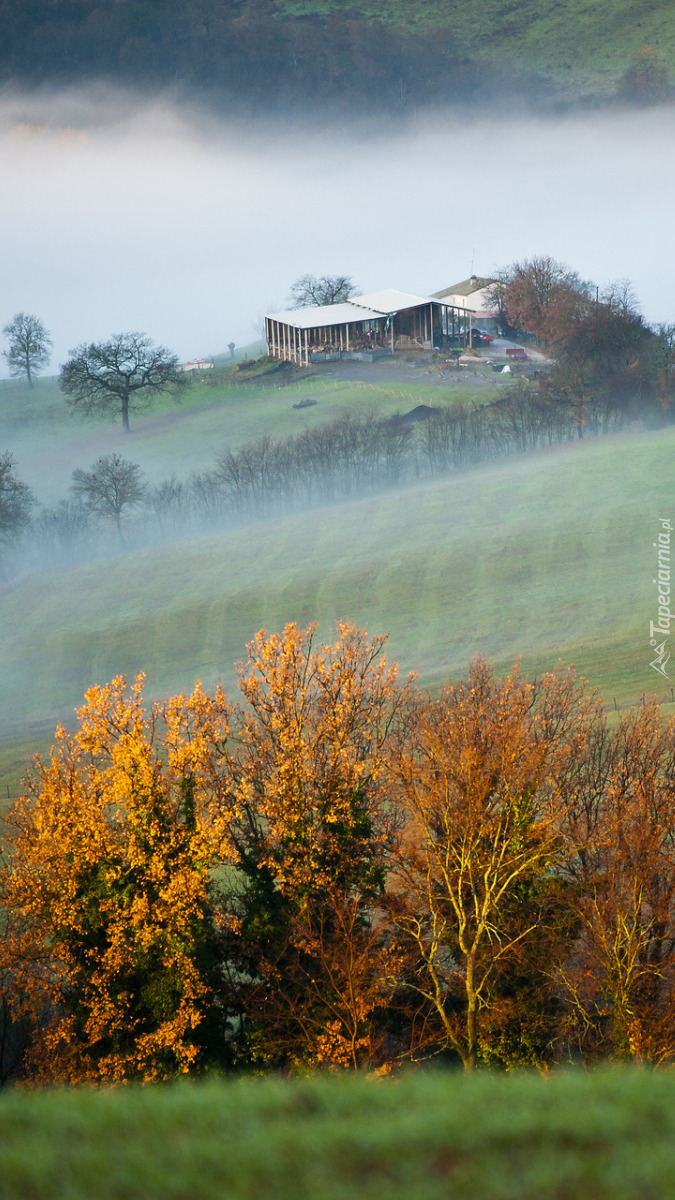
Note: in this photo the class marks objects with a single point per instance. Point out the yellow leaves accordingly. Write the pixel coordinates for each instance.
(335, 842)
(108, 875)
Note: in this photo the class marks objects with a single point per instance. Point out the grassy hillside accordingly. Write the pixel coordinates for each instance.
(574, 44)
(308, 52)
(599, 1136)
(544, 556)
(225, 410)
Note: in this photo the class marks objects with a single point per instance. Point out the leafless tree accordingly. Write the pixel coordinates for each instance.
(112, 376)
(113, 485)
(16, 502)
(310, 290)
(29, 345)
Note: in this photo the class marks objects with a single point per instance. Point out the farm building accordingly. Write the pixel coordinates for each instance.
(367, 326)
(474, 294)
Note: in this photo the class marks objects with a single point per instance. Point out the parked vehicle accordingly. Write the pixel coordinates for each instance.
(479, 337)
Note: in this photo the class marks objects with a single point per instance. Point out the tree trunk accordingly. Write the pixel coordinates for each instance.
(470, 1057)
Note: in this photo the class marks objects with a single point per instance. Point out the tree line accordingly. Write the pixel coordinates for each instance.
(606, 358)
(340, 871)
(243, 53)
(344, 459)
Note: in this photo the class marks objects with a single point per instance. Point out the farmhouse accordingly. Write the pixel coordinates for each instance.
(378, 323)
(474, 294)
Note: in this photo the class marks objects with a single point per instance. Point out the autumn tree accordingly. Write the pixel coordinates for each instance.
(617, 823)
(127, 371)
(314, 835)
(311, 290)
(543, 297)
(29, 345)
(615, 352)
(112, 943)
(473, 880)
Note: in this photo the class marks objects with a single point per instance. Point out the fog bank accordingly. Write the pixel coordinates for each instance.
(122, 214)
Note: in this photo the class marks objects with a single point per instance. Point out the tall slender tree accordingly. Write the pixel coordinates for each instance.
(314, 835)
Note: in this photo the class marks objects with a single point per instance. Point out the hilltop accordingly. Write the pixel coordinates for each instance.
(245, 54)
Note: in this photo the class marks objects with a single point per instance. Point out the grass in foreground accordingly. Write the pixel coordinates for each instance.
(608, 1135)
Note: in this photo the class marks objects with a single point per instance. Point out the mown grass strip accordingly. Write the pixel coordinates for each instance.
(608, 1135)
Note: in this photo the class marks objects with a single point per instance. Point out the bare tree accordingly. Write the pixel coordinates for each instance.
(111, 376)
(29, 345)
(309, 290)
(112, 485)
(16, 502)
(620, 296)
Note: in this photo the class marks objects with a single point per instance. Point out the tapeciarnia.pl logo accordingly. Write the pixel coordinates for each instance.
(659, 630)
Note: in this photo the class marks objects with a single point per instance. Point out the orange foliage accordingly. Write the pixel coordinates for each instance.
(618, 821)
(315, 833)
(358, 872)
(478, 779)
(107, 886)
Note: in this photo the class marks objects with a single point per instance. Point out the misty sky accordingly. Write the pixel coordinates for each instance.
(120, 214)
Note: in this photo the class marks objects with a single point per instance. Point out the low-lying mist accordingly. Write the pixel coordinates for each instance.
(122, 213)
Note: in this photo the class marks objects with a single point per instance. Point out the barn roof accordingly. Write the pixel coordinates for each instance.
(466, 288)
(326, 314)
(389, 300)
(358, 308)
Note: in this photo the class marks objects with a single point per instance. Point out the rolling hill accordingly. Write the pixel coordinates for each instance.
(542, 556)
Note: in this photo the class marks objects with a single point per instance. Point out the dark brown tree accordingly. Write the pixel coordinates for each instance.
(311, 290)
(128, 371)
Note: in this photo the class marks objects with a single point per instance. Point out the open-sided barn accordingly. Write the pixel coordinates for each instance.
(384, 322)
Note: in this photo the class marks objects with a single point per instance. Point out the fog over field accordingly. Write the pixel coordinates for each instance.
(121, 213)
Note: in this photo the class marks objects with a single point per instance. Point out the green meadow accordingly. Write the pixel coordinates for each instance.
(606, 1135)
(221, 411)
(544, 556)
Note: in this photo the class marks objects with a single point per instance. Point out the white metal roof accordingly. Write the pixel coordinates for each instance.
(358, 308)
(389, 300)
(326, 314)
